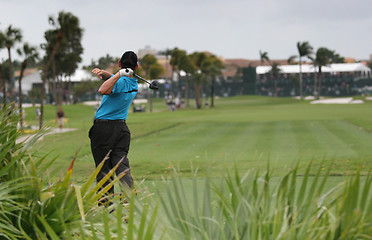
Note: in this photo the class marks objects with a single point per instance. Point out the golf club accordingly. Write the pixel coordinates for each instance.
(154, 85)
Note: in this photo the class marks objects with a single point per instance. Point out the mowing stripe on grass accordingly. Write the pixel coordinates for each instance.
(330, 143)
(307, 144)
(355, 138)
(284, 143)
(241, 142)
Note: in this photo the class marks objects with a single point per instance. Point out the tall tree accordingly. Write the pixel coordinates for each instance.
(30, 55)
(199, 76)
(176, 55)
(323, 57)
(11, 37)
(64, 38)
(188, 67)
(153, 70)
(304, 49)
(213, 67)
(274, 72)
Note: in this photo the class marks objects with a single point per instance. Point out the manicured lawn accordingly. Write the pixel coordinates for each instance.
(246, 131)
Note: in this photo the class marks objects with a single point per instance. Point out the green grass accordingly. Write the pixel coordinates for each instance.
(246, 131)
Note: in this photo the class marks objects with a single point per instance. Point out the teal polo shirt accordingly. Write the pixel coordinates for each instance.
(115, 106)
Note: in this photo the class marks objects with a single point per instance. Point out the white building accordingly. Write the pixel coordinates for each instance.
(333, 69)
(35, 79)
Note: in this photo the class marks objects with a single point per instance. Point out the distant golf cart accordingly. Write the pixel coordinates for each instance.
(139, 105)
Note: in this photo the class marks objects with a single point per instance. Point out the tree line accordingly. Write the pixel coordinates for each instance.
(62, 54)
(200, 69)
(322, 57)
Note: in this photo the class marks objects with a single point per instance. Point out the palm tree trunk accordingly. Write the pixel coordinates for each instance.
(187, 90)
(10, 72)
(275, 87)
(301, 92)
(20, 92)
(197, 95)
(319, 82)
(179, 85)
(212, 92)
(315, 81)
(2, 76)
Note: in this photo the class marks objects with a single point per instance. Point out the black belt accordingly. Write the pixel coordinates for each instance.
(108, 120)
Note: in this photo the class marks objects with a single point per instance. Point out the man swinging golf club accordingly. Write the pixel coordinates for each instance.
(109, 133)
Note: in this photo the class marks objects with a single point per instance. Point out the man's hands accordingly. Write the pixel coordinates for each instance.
(102, 74)
(126, 72)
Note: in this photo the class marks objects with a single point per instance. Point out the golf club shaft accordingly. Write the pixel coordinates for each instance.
(135, 75)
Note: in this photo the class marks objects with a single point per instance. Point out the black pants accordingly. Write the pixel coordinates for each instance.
(114, 136)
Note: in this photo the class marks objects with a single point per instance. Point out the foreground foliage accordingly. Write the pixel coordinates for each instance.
(252, 206)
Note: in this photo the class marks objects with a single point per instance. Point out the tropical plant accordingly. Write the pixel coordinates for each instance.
(315, 65)
(30, 55)
(11, 37)
(274, 72)
(304, 49)
(198, 77)
(213, 67)
(62, 41)
(323, 57)
(188, 67)
(176, 55)
(264, 57)
(255, 206)
(32, 207)
(291, 59)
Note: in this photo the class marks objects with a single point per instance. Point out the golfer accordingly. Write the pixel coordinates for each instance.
(109, 133)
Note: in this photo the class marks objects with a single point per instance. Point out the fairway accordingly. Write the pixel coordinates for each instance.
(246, 131)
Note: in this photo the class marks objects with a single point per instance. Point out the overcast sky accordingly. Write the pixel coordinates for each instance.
(227, 28)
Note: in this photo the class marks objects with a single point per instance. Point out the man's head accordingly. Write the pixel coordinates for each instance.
(129, 60)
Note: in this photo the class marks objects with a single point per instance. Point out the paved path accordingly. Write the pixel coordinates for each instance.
(25, 138)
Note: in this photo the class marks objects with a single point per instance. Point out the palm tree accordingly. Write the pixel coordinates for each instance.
(30, 55)
(315, 65)
(213, 67)
(66, 29)
(291, 59)
(198, 76)
(323, 58)
(274, 72)
(175, 63)
(264, 57)
(304, 49)
(188, 67)
(11, 37)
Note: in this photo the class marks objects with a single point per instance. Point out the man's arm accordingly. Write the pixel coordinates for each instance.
(107, 86)
(102, 74)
